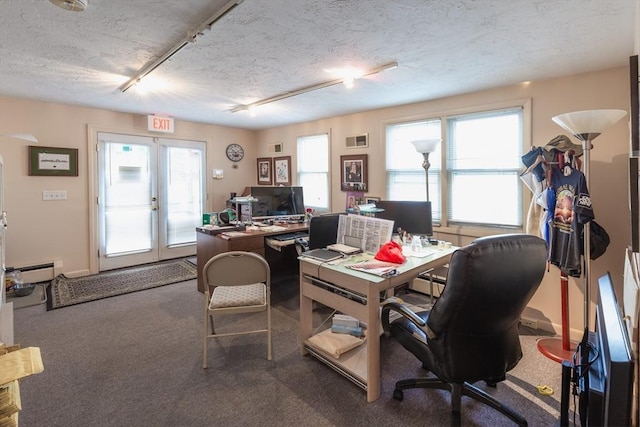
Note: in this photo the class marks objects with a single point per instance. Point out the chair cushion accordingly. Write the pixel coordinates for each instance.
(234, 296)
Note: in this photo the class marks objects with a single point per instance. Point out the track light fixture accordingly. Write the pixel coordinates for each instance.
(191, 38)
(346, 81)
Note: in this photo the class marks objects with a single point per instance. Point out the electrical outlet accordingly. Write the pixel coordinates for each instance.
(54, 195)
(529, 323)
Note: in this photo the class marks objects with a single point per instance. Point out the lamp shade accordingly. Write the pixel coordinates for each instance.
(589, 121)
(23, 136)
(426, 145)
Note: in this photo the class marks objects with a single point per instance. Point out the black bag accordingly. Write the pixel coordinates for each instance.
(599, 240)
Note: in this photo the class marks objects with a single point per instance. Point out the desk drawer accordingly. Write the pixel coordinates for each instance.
(252, 244)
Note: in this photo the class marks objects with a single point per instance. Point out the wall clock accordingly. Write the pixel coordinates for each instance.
(235, 152)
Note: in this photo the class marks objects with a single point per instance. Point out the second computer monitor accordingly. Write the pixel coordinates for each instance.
(411, 216)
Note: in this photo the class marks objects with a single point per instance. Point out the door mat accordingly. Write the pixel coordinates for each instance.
(65, 291)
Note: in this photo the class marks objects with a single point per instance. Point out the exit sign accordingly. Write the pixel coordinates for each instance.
(160, 124)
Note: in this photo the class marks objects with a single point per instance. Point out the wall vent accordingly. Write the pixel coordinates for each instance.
(275, 148)
(358, 141)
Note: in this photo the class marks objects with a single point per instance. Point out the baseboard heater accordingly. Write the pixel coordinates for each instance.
(37, 273)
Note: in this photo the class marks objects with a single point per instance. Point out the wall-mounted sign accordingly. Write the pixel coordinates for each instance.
(160, 123)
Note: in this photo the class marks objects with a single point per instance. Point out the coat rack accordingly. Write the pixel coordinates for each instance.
(584, 126)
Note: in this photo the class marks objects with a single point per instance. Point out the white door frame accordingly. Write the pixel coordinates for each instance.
(92, 171)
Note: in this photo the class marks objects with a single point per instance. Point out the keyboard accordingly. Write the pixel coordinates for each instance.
(289, 236)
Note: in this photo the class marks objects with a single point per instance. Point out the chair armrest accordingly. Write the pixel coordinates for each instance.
(398, 306)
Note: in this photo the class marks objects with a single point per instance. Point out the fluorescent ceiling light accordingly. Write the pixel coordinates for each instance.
(300, 91)
(191, 38)
(71, 5)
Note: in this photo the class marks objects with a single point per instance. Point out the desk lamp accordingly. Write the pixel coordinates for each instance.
(426, 146)
(584, 126)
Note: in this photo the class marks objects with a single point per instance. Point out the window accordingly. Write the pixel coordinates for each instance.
(483, 168)
(405, 174)
(313, 170)
(479, 184)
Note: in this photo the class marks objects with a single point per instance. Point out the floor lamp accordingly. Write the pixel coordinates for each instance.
(23, 136)
(584, 126)
(3, 223)
(424, 147)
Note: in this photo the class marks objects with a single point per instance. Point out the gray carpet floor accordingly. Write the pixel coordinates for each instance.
(135, 360)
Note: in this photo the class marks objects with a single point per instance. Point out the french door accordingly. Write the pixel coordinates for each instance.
(151, 195)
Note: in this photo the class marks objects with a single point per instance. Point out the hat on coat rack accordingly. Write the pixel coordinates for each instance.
(563, 144)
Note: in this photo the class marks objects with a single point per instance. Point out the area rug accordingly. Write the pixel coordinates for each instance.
(65, 291)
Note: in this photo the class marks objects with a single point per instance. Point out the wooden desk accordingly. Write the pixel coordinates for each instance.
(210, 244)
(361, 365)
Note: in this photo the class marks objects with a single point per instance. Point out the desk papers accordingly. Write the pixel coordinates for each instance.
(369, 233)
(344, 249)
(379, 268)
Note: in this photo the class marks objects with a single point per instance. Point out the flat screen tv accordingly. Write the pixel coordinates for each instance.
(606, 389)
(411, 216)
(277, 202)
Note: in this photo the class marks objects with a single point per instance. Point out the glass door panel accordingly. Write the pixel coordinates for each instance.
(183, 195)
(127, 202)
(151, 198)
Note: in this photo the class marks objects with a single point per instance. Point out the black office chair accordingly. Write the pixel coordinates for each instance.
(471, 333)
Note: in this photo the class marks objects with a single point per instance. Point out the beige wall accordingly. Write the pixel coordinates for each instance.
(41, 232)
(609, 181)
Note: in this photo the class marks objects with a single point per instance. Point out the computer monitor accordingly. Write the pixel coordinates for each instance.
(606, 371)
(277, 202)
(323, 230)
(411, 216)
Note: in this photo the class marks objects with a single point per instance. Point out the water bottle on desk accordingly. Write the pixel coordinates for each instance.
(416, 244)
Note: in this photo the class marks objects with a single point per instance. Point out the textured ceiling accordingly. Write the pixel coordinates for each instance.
(263, 48)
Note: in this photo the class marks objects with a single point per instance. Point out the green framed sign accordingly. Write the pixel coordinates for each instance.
(51, 161)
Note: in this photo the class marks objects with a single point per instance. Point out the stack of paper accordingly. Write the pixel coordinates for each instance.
(379, 268)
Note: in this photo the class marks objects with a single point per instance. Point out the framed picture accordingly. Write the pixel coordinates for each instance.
(50, 161)
(265, 175)
(369, 200)
(354, 198)
(282, 170)
(353, 173)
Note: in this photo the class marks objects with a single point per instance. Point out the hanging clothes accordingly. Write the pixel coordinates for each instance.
(569, 209)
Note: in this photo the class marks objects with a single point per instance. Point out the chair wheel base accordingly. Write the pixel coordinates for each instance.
(398, 395)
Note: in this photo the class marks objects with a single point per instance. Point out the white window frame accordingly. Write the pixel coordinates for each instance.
(441, 219)
(315, 170)
(404, 165)
(480, 175)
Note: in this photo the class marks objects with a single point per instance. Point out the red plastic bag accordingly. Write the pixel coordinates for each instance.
(391, 252)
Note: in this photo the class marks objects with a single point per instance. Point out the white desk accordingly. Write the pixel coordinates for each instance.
(361, 365)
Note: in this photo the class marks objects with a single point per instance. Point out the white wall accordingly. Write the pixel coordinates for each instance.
(42, 232)
(609, 181)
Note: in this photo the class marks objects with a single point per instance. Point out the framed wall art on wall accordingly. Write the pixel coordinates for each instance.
(282, 170)
(369, 200)
(353, 173)
(265, 171)
(51, 161)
